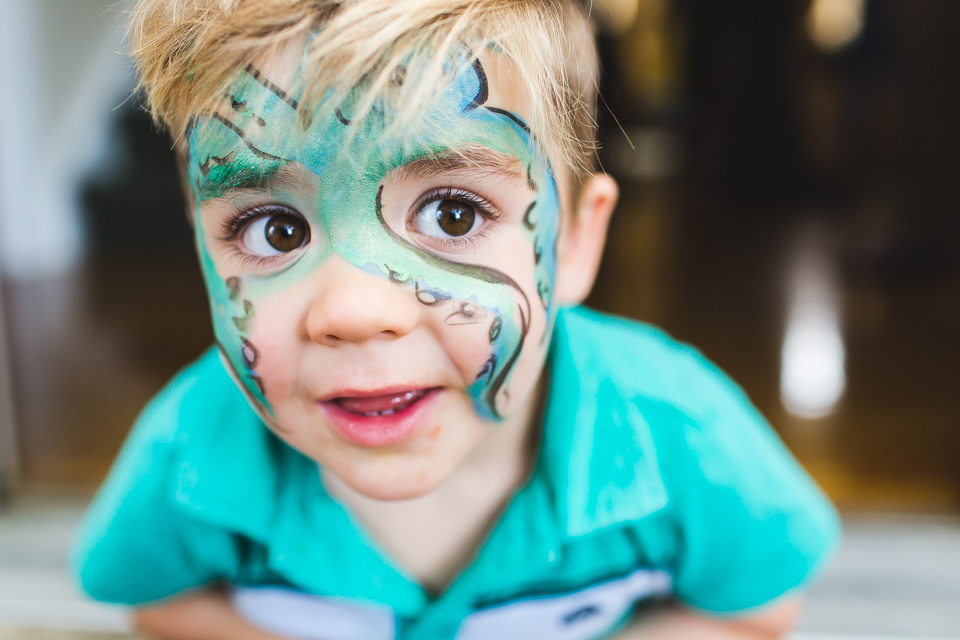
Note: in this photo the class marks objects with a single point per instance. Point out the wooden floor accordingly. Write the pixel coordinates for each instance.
(90, 349)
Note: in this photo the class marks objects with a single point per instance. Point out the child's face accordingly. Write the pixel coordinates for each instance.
(386, 302)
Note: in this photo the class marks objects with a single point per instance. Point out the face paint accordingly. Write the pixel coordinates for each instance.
(261, 132)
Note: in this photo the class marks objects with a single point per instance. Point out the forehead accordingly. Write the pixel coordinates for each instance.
(287, 71)
(257, 128)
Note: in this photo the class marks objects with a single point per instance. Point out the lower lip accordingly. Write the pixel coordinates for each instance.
(378, 431)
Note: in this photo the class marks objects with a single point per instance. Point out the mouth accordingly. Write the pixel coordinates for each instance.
(381, 405)
(378, 418)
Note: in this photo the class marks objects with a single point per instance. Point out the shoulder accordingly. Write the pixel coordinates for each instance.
(686, 412)
(645, 363)
(199, 397)
(163, 504)
(649, 434)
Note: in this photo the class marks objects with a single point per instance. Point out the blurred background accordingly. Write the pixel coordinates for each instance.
(789, 206)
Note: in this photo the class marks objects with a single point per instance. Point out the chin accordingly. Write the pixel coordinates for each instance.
(393, 493)
(396, 483)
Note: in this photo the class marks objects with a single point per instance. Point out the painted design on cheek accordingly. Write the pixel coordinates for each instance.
(495, 327)
(466, 313)
(484, 274)
(243, 322)
(527, 222)
(543, 286)
(488, 367)
(429, 297)
(396, 277)
(251, 356)
(544, 290)
(530, 223)
(233, 286)
(248, 352)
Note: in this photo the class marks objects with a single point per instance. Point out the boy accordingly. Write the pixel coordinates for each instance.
(394, 210)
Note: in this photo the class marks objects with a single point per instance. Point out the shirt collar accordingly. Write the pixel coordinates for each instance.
(225, 458)
(598, 450)
(235, 475)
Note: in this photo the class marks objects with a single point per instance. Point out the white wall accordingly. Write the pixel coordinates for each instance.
(63, 73)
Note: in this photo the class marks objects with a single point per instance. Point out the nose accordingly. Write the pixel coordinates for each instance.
(351, 305)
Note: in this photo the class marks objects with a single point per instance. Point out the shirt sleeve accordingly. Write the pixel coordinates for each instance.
(753, 525)
(136, 544)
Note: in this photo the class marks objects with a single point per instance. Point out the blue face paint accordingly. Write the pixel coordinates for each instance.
(263, 130)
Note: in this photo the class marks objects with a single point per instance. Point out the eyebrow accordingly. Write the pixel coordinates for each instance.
(473, 158)
(235, 179)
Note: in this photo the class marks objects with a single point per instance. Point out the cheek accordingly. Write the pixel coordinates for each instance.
(275, 331)
(520, 263)
(529, 363)
(499, 351)
(466, 341)
(517, 259)
(528, 367)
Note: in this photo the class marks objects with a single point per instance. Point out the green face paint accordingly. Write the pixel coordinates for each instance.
(262, 132)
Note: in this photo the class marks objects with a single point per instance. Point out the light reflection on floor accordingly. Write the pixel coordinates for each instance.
(812, 359)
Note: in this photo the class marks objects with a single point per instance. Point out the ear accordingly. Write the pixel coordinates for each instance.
(583, 237)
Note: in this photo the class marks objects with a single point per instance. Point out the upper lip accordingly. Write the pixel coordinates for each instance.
(373, 393)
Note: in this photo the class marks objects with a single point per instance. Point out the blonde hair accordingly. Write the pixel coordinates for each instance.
(189, 51)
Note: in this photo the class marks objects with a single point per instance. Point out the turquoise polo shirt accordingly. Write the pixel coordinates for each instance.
(656, 478)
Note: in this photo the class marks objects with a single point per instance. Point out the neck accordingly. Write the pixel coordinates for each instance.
(434, 536)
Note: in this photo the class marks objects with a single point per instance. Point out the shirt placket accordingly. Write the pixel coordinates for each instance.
(522, 548)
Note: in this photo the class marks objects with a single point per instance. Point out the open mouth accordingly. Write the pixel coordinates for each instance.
(377, 419)
(385, 405)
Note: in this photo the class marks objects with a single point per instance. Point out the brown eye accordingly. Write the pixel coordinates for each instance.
(273, 235)
(455, 218)
(449, 218)
(285, 232)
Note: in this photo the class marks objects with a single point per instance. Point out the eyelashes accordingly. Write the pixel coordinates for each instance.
(264, 236)
(270, 235)
(483, 206)
(233, 225)
(451, 219)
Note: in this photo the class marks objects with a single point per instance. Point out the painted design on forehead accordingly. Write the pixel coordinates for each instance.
(250, 141)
